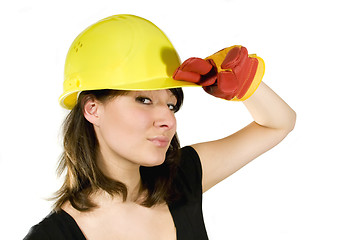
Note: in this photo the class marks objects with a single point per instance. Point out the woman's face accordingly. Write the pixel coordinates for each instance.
(137, 128)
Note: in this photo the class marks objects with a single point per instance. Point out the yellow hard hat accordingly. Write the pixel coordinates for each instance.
(122, 52)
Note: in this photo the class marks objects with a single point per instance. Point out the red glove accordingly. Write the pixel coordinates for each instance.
(230, 74)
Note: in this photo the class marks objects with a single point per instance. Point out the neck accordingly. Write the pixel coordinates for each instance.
(122, 171)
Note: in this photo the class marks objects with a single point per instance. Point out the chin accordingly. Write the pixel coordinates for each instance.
(154, 160)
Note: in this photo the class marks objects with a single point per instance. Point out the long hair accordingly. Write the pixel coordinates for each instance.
(82, 175)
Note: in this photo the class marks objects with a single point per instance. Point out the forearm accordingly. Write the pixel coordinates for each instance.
(269, 110)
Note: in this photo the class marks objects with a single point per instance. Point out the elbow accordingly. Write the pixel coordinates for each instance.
(291, 122)
(283, 125)
(287, 124)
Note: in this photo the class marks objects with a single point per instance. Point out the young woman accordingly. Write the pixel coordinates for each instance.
(126, 176)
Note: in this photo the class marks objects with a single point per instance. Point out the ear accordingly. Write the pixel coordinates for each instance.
(91, 109)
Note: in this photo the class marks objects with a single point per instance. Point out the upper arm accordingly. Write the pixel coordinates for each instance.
(223, 157)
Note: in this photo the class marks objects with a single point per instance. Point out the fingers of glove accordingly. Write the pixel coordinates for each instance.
(192, 69)
(210, 77)
(186, 76)
(196, 65)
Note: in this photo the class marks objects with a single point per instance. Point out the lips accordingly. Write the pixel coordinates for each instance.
(160, 141)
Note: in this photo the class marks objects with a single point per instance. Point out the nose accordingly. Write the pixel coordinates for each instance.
(164, 118)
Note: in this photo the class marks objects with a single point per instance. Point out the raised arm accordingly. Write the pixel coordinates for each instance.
(273, 120)
(232, 74)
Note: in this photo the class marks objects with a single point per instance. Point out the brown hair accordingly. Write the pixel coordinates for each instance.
(83, 177)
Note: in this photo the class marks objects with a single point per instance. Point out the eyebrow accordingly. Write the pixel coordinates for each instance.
(151, 94)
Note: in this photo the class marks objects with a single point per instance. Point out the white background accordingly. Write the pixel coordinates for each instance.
(305, 188)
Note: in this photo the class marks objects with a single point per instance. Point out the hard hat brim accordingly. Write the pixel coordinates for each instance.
(68, 100)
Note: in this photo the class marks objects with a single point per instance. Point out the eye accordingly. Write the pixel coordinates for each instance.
(143, 100)
(172, 107)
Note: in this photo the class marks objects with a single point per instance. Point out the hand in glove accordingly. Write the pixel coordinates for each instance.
(230, 74)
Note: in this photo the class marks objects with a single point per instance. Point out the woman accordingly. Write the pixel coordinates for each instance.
(125, 174)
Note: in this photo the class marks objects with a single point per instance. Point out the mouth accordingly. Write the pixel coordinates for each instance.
(160, 141)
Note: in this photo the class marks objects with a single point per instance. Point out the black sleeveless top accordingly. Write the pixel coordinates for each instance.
(186, 212)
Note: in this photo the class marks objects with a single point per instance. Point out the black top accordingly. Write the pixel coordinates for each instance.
(186, 212)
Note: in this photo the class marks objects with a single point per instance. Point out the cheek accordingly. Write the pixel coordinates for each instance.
(120, 127)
